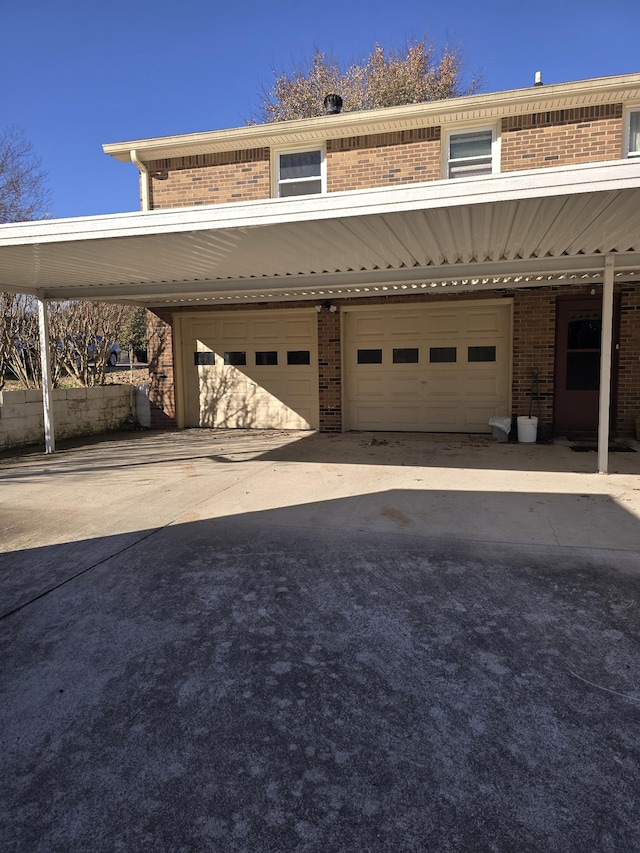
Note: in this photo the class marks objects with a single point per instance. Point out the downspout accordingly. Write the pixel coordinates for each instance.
(144, 179)
(605, 366)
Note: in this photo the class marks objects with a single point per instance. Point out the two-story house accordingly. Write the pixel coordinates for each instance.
(416, 268)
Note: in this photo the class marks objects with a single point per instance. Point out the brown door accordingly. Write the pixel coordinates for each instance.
(577, 374)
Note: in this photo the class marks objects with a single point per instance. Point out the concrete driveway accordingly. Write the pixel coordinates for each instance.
(238, 641)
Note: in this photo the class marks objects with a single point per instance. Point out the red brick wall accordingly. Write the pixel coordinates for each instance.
(561, 137)
(210, 179)
(530, 141)
(329, 371)
(161, 369)
(534, 329)
(629, 359)
(383, 159)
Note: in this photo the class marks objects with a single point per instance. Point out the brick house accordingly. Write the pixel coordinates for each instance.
(419, 268)
(399, 356)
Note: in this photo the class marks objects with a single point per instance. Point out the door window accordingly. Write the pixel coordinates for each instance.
(583, 351)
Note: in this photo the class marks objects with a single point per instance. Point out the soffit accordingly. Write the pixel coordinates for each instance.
(477, 233)
(475, 108)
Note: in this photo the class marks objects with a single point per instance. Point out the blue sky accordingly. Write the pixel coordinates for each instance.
(77, 73)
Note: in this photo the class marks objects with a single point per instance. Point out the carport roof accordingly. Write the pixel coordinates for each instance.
(515, 229)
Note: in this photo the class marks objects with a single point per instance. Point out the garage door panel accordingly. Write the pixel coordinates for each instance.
(369, 386)
(369, 327)
(302, 329)
(444, 417)
(407, 417)
(259, 395)
(370, 417)
(406, 386)
(266, 330)
(404, 326)
(442, 323)
(232, 330)
(483, 387)
(476, 418)
(442, 385)
(459, 390)
(486, 322)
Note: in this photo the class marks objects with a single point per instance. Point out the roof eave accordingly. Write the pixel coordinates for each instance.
(453, 110)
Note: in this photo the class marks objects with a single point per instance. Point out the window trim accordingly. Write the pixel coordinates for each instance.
(276, 153)
(626, 138)
(460, 130)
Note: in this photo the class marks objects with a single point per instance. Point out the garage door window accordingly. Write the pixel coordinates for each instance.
(481, 354)
(443, 355)
(405, 356)
(302, 356)
(266, 358)
(237, 359)
(203, 358)
(369, 356)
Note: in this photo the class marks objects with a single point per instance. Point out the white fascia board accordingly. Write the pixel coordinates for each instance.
(484, 189)
(470, 108)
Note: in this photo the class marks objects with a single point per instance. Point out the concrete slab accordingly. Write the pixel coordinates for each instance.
(272, 641)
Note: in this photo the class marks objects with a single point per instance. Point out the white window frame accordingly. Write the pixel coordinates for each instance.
(631, 110)
(461, 131)
(303, 149)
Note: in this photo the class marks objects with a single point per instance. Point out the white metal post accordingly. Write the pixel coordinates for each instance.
(47, 387)
(606, 343)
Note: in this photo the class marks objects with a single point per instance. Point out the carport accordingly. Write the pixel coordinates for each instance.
(523, 229)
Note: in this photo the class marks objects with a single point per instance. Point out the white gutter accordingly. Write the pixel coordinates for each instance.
(144, 179)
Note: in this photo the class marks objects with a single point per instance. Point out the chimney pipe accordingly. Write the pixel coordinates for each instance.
(538, 79)
(332, 105)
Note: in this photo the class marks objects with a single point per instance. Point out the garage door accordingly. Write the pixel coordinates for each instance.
(439, 368)
(251, 369)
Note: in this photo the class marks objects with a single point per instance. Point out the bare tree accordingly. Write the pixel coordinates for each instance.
(85, 333)
(414, 75)
(81, 339)
(7, 326)
(24, 194)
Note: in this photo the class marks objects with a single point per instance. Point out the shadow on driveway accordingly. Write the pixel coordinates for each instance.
(277, 681)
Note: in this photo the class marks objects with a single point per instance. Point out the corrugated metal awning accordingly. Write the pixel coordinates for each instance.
(524, 227)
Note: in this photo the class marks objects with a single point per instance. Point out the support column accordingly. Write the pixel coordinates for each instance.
(605, 367)
(47, 387)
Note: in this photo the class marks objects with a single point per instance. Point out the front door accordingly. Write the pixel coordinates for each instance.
(577, 373)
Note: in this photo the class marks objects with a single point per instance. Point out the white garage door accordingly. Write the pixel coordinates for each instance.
(251, 369)
(438, 368)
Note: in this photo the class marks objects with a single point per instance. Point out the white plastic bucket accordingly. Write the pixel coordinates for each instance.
(527, 429)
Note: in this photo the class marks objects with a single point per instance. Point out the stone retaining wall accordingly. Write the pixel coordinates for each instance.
(76, 411)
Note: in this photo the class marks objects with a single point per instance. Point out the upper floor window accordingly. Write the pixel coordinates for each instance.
(634, 134)
(471, 152)
(300, 173)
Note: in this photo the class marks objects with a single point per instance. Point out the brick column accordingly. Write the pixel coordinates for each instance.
(629, 360)
(534, 330)
(329, 371)
(162, 395)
